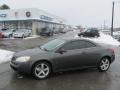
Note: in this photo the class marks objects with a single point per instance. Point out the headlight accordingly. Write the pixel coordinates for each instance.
(23, 59)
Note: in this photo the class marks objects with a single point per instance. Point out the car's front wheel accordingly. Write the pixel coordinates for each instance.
(104, 65)
(41, 70)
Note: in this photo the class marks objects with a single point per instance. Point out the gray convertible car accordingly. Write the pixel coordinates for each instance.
(62, 55)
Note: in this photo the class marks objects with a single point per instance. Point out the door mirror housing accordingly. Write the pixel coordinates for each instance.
(61, 51)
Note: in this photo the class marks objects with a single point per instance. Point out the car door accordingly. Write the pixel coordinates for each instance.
(88, 33)
(73, 57)
(91, 53)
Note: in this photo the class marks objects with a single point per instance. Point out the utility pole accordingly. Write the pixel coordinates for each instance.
(104, 25)
(112, 18)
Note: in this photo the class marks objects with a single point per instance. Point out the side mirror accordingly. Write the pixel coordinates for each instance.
(61, 51)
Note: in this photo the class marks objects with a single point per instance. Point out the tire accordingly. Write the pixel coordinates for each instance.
(10, 35)
(29, 35)
(104, 64)
(41, 70)
(23, 36)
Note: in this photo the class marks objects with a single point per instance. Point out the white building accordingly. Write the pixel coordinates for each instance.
(33, 19)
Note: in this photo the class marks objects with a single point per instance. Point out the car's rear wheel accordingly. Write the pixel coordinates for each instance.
(41, 70)
(104, 65)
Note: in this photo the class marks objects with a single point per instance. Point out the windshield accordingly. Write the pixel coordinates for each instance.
(20, 31)
(88, 30)
(9, 31)
(52, 44)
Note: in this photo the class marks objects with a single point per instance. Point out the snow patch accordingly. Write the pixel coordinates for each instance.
(106, 39)
(34, 36)
(5, 55)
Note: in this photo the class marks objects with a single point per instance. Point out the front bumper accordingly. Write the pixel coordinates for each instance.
(6, 35)
(17, 35)
(21, 67)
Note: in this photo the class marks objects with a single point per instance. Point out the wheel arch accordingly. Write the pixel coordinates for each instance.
(98, 66)
(43, 60)
(108, 57)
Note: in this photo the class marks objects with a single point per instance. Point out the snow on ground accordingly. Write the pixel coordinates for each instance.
(106, 39)
(5, 55)
(31, 37)
(34, 36)
(8, 38)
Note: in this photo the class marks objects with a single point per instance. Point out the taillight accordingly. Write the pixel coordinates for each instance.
(112, 50)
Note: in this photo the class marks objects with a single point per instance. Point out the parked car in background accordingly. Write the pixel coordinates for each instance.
(56, 30)
(1, 35)
(116, 35)
(92, 32)
(62, 55)
(46, 32)
(8, 33)
(2, 31)
(64, 30)
(22, 33)
(119, 39)
(28, 31)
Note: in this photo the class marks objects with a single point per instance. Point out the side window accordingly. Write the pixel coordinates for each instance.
(79, 44)
(74, 45)
(89, 44)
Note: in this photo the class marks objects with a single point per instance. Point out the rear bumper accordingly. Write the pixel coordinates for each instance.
(43, 34)
(112, 58)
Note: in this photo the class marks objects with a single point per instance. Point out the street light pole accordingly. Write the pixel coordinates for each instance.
(112, 18)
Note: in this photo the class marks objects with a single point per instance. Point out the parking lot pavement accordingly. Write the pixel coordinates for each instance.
(22, 44)
(88, 79)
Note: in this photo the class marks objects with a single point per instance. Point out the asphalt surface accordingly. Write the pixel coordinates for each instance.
(88, 79)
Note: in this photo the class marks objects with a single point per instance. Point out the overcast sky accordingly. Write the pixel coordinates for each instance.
(76, 12)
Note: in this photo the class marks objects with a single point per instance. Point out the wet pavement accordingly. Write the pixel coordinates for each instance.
(88, 79)
(22, 44)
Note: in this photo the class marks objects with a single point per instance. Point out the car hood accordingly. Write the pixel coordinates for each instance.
(30, 52)
(7, 33)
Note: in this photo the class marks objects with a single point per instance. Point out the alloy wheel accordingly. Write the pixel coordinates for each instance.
(104, 64)
(42, 70)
